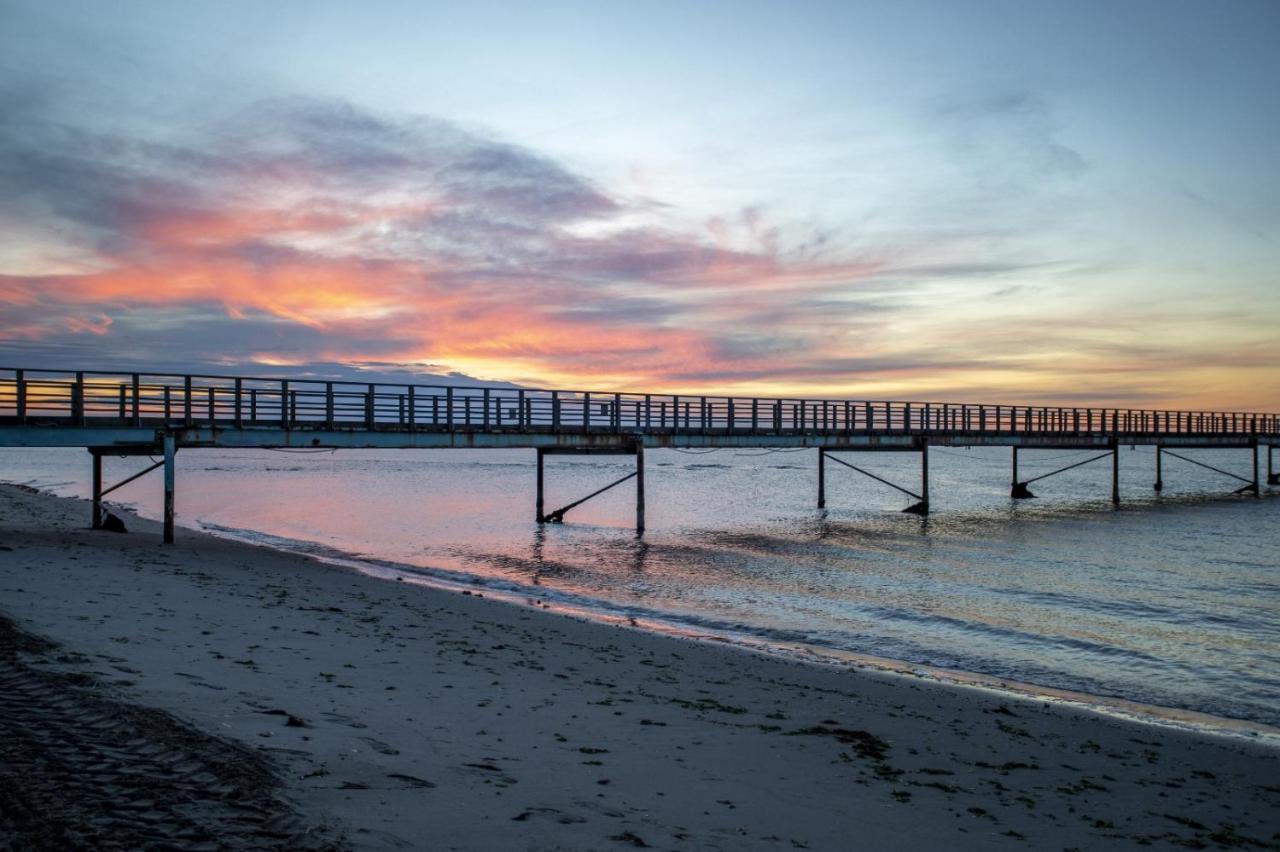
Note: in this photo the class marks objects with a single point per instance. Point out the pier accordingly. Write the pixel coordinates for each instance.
(156, 415)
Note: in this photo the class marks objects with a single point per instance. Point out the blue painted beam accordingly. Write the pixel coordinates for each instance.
(143, 439)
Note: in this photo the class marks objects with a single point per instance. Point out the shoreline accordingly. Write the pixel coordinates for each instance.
(571, 604)
(450, 720)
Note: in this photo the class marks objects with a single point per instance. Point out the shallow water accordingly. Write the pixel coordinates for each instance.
(1172, 600)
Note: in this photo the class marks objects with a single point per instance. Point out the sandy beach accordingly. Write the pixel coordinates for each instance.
(382, 715)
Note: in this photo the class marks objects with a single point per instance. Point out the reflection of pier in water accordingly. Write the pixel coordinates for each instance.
(148, 414)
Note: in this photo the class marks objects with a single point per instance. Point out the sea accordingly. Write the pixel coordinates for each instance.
(1167, 607)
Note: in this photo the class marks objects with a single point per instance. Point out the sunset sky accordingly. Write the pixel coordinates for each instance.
(1045, 202)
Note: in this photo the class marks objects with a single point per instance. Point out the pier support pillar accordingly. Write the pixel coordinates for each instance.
(1159, 483)
(97, 488)
(924, 475)
(1273, 478)
(639, 489)
(922, 508)
(1253, 454)
(1018, 489)
(170, 450)
(538, 505)
(1115, 473)
(822, 478)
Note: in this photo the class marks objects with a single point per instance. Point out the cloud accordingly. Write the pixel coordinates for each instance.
(313, 228)
(299, 231)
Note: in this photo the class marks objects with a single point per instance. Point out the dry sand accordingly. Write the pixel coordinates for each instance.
(417, 718)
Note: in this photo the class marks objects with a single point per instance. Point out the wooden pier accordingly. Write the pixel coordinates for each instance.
(112, 413)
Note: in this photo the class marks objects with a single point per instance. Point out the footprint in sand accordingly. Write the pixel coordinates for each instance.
(379, 746)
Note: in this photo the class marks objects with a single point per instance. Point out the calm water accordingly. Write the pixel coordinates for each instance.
(1172, 601)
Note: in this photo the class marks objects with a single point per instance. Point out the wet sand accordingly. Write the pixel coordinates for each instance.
(415, 718)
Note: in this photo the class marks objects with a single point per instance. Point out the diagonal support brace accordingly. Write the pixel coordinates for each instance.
(1022, 486)
(1250, 485)
(921, 506)
(99, 517)
(125, 482)
(873, 476)
(557, 516)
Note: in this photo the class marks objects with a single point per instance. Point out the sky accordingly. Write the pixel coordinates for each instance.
(1073, 203)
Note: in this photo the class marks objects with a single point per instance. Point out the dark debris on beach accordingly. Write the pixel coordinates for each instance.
(80, 769)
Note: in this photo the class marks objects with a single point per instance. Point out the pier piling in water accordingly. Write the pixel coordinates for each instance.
(822, 478)
(1018, 489)
(170, 481)
(1115, 473)
(97, 488)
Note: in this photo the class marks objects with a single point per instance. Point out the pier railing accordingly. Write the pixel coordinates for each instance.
(104, 398)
